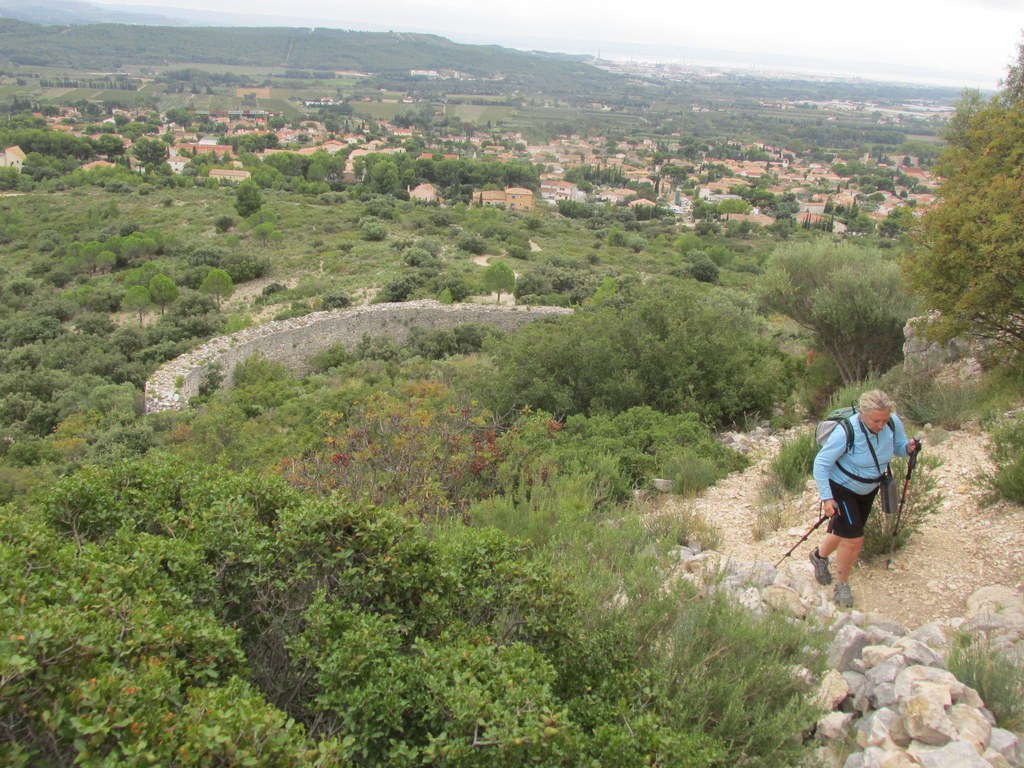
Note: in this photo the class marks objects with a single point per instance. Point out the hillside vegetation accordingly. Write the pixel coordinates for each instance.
(109, 46)
(428, 553)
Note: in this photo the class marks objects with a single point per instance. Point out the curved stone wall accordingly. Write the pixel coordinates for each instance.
(294, 342)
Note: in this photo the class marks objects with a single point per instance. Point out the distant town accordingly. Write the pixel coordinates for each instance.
(672, 172)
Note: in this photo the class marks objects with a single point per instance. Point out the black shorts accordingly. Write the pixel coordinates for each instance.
(849, 521)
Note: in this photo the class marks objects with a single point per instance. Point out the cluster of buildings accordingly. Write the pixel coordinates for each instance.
(641, 179)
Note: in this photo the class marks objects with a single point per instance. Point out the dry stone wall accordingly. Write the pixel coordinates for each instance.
(888, 699)
(294, 342)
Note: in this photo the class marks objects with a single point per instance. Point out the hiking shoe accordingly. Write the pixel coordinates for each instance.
(821, 572)
(843, 595)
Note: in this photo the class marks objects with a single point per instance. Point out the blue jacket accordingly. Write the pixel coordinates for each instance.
(857, 460)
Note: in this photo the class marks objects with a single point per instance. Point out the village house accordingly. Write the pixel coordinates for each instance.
(923, 199)
(845, 199)
(919, 174)
(615, 196)
(495, 197)
(229, 175)
(519, 199)
(814, 208)
(760, 219)
(371, 149)
(333, 146)
(553, 190)
(510, 198)
(200, 148)
(95, 164)
(12, 157)
(715, 194)
(425, 193)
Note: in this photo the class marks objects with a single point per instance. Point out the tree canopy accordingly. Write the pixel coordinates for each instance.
(248, 198)
(849, 297)
(499, 278)
(682, 349)
(971, 263)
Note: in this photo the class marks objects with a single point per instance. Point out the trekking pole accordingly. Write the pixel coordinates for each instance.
(807, 535)
(911, 463)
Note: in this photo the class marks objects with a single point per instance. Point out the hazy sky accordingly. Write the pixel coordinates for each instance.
(971, 41)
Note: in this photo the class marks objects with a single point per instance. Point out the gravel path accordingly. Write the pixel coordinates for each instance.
(964, 546)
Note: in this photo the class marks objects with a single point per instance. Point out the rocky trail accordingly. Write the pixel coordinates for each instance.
(964, 546)
(890, 698)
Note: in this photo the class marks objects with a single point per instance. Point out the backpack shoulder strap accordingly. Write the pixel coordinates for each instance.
(848, 428)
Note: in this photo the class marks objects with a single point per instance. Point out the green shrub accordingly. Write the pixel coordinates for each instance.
(373, 229)
(792, 466)
(730, 674)
(847, 295)
(334, 356)
(686, 527)
(691, 473)
(996, 675)
(335, 300)
(418, 257)
(886, 533)
(683, 350)
(177, 614)
(272, 288)
(1007, 449)
(1009, 480)
(922, 400)
(472, 243)
(295, 309)
(702, 268)
(772, 512)
(401, 288)
(549, 506)
(646, 443)
(819, 379)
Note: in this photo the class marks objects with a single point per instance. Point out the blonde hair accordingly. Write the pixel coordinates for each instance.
(876, 400)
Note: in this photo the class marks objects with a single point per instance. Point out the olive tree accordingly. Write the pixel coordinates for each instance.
(849, 297)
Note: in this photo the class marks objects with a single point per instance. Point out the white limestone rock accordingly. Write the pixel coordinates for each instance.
(956, 754)
(832, 691)
(925, 716)
(833, 726)
(785, 601)
(971, 726)
(873, 655)
(846, 647)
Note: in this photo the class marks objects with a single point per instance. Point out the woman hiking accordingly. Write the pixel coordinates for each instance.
(847, 480)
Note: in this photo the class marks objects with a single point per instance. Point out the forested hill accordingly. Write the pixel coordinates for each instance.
(107, 46)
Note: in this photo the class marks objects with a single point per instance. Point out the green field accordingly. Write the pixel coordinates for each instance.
(381, 110)
(287, 108)
(472, 113)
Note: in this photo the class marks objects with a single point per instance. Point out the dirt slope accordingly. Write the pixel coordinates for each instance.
(964, 546)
